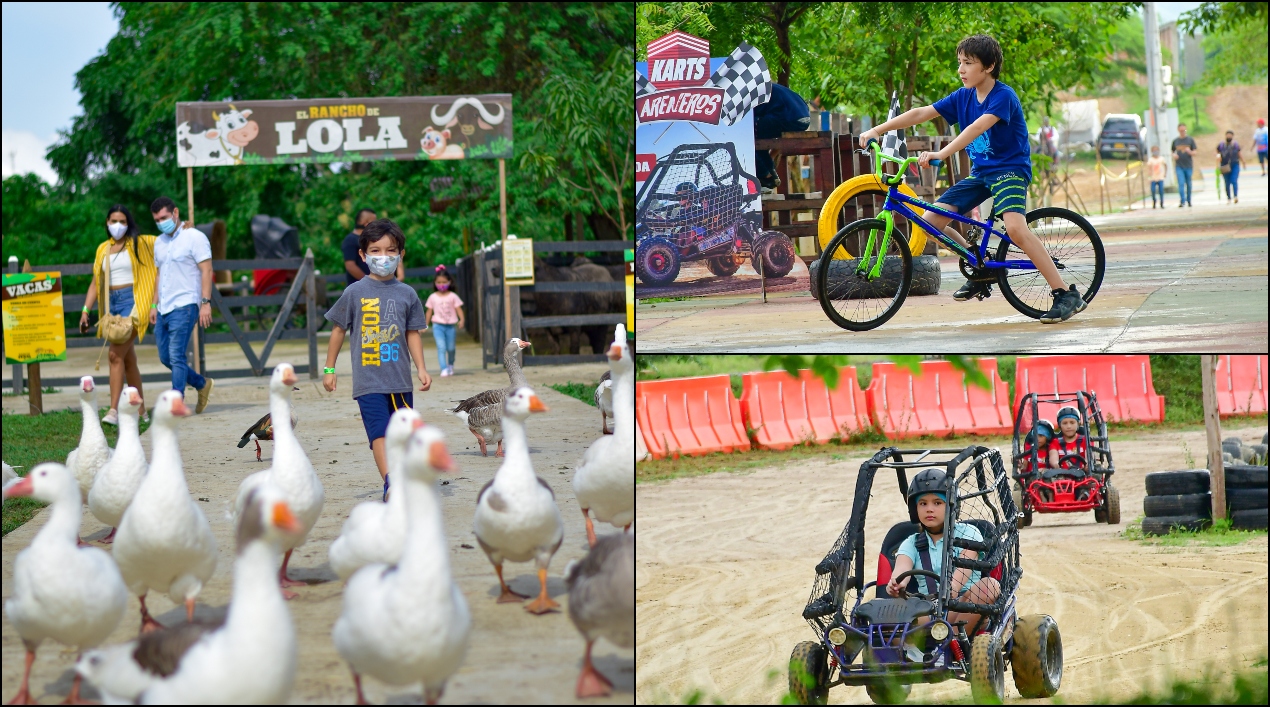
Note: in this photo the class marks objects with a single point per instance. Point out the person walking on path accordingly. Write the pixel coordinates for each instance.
(184, 295)
(1158, 169)
(445, 313)
(1259, 142)
(1231, 159)
(128, 259)
(354, 266)
(1183, 147)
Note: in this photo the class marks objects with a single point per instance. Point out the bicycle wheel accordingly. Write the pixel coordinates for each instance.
(852, 300)
(1076, 249)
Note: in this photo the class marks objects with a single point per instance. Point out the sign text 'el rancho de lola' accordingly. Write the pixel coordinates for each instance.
(344, 130)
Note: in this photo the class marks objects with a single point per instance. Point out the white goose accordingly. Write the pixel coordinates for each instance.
(164, 542)
(92, 453)
(605, 480)
(118, 480)
(602, 603)
(250, 659)
(291, 472)
(516, 514)
(375, 531)
(71, 594)
(409, 622)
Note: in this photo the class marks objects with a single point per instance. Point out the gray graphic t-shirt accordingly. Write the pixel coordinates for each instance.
(376, 316)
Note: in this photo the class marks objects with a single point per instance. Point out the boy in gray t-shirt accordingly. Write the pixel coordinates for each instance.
(385, 317)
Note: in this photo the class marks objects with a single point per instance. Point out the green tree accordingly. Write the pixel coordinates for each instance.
(766, 25)
(656, 19)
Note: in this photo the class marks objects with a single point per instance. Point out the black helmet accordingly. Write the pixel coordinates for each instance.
(685, 188)
(933, 480)
(1068, 411)
(1044, 427)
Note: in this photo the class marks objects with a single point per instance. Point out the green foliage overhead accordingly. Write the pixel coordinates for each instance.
(122, 147)
(1214, 17)
(656, 19)
(1236, 55)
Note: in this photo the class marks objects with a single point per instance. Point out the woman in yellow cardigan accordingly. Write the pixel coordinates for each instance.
(134, 277)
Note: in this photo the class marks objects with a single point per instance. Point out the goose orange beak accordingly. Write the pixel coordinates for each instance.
(22, 486)
(179, 409)
(439, 457)
(284, 518)
(524, 344)
(615, 353)
(536, 404)
(134, 399)
(417, 423)
(87, 385)
(288, 376)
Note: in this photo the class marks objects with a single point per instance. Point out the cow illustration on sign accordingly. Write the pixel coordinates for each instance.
(464, 118)
(436, 143)
(223, 144)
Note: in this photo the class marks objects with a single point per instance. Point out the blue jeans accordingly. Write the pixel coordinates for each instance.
(443, 334)
(1184, 184)
(172, 335)
(1157, 187)
(1232, 180)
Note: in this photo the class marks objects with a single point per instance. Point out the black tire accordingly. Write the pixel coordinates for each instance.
(809, 674)
(1169, 483)
(1162, 525)
(1190, 504)
(777, 252)
(1231, 447)
(657, 261)
(1037, 657)
(1100, 516)
(1112, 516)
(853, 301)
(1245, 499)
(723, 265)
(1249, 520)
(1072, 242)
(1244, 476)
(1017, 493)
(885, 286)
(987, 670)
(926, 276)
(888, 693)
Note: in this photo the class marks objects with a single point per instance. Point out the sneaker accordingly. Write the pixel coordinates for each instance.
(203, 394)
(1180, 205)
(973, 289)
(445, 372)
(450, 369)
(111, 418)
(385, 488)
(1066, 303)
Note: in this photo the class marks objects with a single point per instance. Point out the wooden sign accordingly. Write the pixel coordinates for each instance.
(519, 260)
(34, 325)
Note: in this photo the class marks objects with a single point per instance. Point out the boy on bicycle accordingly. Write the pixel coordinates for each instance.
(995, 135)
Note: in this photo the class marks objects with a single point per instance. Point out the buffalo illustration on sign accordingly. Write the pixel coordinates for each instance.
(467, 116)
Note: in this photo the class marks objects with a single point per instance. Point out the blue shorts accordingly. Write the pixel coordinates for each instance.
(1007, 189)
(122, 302)
(378, 407)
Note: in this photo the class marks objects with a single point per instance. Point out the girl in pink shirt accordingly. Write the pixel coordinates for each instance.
(445, 315)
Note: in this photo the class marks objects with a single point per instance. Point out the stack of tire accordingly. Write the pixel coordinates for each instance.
(1182, 499)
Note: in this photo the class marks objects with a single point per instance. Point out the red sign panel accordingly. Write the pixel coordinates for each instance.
(678, 60)
(644, 165)
(698, 104)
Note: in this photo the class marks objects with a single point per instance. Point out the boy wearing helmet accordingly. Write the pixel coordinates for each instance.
(928, 506)
(1069, 442)
(1040, 438)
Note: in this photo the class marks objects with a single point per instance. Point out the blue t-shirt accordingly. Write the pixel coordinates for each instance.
(1000, 148)
(961, 530)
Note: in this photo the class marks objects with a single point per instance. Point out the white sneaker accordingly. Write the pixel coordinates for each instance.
(450, 369)
(111, 418)
(445, 373)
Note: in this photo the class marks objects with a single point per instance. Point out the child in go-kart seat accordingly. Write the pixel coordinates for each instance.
(1069, 442)
(1043, 434)
(928, 503)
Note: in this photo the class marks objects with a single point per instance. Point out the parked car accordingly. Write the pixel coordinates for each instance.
(1122, 134)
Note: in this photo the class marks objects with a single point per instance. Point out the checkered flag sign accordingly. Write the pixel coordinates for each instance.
(642, 85)
(745, 81)
(893, 142)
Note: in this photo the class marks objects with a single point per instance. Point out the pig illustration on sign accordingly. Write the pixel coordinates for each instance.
(469, 120)
(221, 145)
(436, 144)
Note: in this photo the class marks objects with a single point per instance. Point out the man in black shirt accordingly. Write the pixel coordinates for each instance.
(1183, 148)
(355, 268)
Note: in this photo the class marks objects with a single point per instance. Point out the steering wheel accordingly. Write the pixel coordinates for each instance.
(912, 572)
(1079, 458)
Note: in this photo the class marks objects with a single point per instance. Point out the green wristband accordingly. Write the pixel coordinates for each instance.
(154, 305)
(85, 309)
(329, 370)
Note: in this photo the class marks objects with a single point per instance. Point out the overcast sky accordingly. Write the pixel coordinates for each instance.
(44, 44)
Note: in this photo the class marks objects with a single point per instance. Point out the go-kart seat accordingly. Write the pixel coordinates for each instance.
(886, 609)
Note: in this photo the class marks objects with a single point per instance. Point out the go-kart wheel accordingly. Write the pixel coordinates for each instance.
(1037, 658)
(1100, 515)
(1017, 492)
(723, 265)
(1027, 517)
(809, 674)
(657, 261)
(888, 693)
(777, 252)
(1113, 505)
(987, 670)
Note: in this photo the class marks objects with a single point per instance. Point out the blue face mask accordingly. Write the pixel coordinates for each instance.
(167, 226)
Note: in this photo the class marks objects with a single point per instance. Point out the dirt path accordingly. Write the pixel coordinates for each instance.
(726, 565)
(514, 656)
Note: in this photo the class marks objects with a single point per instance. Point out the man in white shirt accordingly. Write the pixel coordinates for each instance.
(184, 295)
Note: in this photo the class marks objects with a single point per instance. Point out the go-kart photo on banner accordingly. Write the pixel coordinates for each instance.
(344, 130)
(698, 211)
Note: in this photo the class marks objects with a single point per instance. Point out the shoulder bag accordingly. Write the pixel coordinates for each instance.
(116, 328)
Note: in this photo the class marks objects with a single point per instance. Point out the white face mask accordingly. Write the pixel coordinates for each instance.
(382, 265)
(117, 230)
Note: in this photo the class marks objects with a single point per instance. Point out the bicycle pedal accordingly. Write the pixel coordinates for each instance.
(983, 295)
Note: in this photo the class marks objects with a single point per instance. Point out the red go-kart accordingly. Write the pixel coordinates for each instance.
(1082, 480)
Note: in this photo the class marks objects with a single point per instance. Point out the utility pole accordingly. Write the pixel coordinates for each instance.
(1155, 82)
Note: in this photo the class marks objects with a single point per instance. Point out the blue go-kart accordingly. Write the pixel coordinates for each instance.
(886, 644)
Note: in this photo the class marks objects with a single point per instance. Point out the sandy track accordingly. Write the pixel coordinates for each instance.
(514, 656)
(725, 568)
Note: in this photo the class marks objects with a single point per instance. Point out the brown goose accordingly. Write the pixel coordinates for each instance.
(483, 412)
(263, 429)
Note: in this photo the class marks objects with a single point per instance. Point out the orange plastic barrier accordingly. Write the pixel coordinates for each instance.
(1122, 382)
(1241, 385)
(938, 401)
(689, 416)
(785, 411)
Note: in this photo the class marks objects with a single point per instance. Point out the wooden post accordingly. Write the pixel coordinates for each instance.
(310, 316)
(37, 393)
(502, 221)
(1212, 424)
(196, 347)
